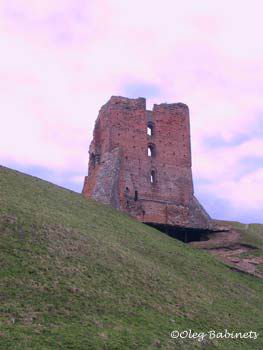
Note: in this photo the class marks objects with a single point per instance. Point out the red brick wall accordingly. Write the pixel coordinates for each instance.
(122, 165)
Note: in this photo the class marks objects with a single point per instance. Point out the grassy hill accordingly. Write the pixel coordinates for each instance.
(76, 274)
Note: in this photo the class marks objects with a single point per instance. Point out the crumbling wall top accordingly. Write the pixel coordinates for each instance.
(119, 102)
(171, 107)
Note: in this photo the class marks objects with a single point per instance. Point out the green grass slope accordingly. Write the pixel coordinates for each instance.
(76, 274)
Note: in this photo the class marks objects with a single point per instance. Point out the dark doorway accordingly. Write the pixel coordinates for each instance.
(184, 234)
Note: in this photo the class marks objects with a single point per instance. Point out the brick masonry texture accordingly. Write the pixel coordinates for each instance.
(144, 172)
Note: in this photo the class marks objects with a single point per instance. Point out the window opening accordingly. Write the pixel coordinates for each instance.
(153, 177)
(151, 151)
(150, 129)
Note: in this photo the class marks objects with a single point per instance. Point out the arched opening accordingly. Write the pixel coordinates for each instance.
(151, 150)
(136, 196)
(150, 129)
(153, 177)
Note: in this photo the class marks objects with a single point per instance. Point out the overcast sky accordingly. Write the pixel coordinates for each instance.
(61, 60)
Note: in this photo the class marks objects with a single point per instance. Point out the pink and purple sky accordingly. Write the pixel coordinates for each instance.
(61, 60)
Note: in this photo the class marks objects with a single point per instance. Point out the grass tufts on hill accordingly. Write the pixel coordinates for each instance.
(79, 275)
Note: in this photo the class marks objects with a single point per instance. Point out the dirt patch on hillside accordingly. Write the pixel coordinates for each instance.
(227, 247)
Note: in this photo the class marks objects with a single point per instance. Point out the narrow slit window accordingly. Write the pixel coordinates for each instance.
(93, 160)
(150, 129)
(153, 177)
(151, 151)
(136, 196)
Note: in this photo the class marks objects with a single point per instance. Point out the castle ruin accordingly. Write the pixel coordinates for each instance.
(140, 163)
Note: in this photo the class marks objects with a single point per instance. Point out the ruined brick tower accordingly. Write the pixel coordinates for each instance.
(140, 163)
